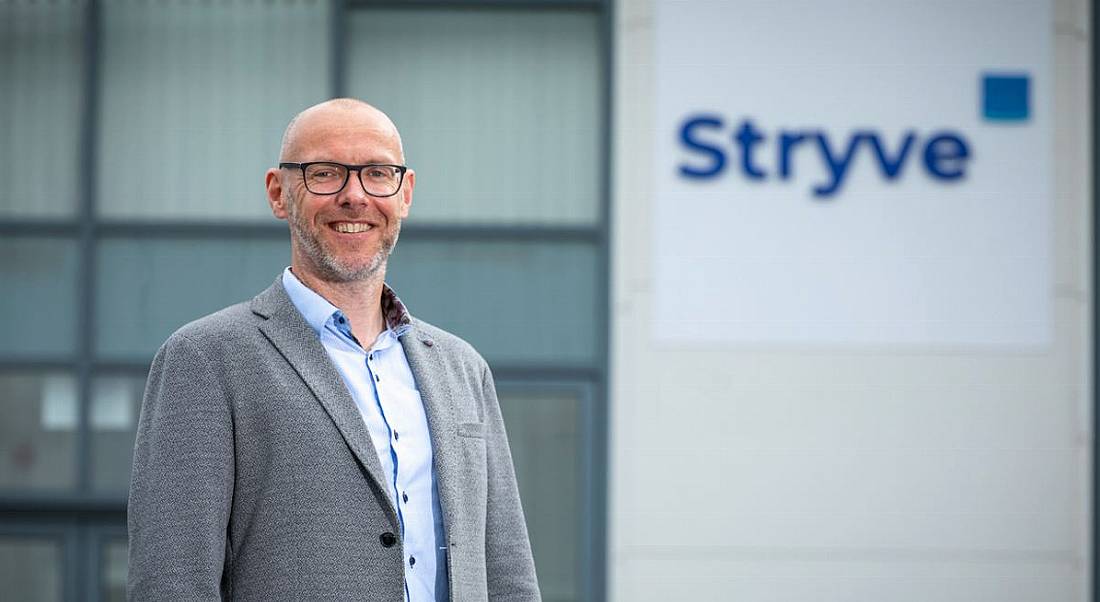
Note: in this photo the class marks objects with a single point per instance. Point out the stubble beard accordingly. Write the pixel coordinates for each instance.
(325, 264)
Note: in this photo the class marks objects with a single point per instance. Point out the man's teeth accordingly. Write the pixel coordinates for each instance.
(351, 228)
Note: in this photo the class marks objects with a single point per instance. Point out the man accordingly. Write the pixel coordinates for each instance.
(318, 442)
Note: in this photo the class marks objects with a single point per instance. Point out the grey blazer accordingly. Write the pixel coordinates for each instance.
(255, 478)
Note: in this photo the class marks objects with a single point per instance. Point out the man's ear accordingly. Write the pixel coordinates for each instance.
(275, 193)
(407, 192)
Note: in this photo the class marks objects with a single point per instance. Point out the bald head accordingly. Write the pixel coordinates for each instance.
(343, 235)
(335, 114)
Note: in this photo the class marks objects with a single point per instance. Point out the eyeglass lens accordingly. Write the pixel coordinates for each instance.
(329, 178)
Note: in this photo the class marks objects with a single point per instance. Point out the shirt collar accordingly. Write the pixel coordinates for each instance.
(317, 311)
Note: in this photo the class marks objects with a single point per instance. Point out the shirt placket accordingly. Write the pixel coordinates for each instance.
(374, 360)
(381, 381)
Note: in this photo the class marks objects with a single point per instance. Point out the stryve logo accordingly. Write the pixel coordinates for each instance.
(944, 154)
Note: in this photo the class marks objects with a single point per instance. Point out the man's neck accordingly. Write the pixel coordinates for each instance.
(360, 301)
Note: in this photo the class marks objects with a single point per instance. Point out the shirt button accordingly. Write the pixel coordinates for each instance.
(396, 436)
(387, 539)
(370, 357)
(404, 496)
(412, 560)
(377, 379)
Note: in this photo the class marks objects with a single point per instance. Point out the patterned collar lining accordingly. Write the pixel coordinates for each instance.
(394, 312)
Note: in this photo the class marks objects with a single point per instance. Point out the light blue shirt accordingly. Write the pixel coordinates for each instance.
(382, 385)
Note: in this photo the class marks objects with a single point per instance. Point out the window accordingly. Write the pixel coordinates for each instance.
(150, 213)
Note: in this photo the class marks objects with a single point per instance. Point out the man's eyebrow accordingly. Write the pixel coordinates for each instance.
(379, 161)
(383, 162)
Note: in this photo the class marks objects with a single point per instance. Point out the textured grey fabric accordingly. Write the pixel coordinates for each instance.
(255, 478)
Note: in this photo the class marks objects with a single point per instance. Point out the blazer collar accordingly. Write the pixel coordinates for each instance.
(275, 299)
(430, 368)
(298, 343)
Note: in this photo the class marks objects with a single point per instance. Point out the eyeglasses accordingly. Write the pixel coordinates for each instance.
(328, 177)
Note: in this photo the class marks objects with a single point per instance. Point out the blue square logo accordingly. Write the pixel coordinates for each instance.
(1006, 97)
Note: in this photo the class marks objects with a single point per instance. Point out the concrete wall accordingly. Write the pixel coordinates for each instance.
(947, 475)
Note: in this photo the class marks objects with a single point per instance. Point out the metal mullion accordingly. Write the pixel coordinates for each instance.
(92, 561)
(593, 439)
(77, 573)
(38, 229)
(86, 235)
(544, 372)
(122, 367)
(338, 49)
(79, 567)
(55, 507)
(1095, 234)
(567, 5)
(591, 234)
(24, 365)
(599, 429)
(160, 230)
(275, 230)
(168, 229)
(99, 536)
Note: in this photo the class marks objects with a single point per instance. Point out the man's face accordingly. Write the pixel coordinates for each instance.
(348, 236)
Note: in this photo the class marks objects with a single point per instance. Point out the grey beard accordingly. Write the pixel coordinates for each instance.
(328, 268)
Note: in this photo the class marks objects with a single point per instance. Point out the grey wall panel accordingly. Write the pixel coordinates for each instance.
(195, 97)
(149, 288)
(115, 406)
(544, 430)
(38, 432)
(30, 568)
(499, 109)
(517, 303)
(40, 102)
(38, 306)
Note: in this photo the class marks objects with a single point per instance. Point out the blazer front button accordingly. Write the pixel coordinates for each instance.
(388, 539)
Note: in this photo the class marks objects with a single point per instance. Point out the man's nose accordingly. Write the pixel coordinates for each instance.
(353, 191)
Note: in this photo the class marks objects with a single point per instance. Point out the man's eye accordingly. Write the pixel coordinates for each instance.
(324, 173)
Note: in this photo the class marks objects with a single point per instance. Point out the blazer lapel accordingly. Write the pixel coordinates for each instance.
(299, 344)
(436, 392)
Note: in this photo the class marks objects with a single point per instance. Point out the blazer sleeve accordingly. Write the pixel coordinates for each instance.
(510, 567)
(182, 482)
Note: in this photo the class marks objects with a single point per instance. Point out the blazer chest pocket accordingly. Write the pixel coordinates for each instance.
(471, 429)
(470, 455)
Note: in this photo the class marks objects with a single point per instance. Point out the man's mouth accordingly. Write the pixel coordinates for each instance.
(350, 227)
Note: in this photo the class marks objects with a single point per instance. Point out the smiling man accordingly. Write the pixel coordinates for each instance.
(318, 441)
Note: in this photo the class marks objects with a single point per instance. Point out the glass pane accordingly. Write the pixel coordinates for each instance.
(38, 431)
(544, 430)
(113, 579)
(41, 98)
(515, 302)
(195, 98)
(116, 402)
(499, 109)
(30, 569)
(149, 288)
(38, 307)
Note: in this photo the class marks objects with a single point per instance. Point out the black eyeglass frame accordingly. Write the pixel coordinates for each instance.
(347, 175)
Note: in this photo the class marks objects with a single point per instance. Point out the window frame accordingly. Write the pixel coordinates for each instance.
(84, 519)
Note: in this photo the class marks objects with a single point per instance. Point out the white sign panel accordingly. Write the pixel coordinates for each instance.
(852, 172)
